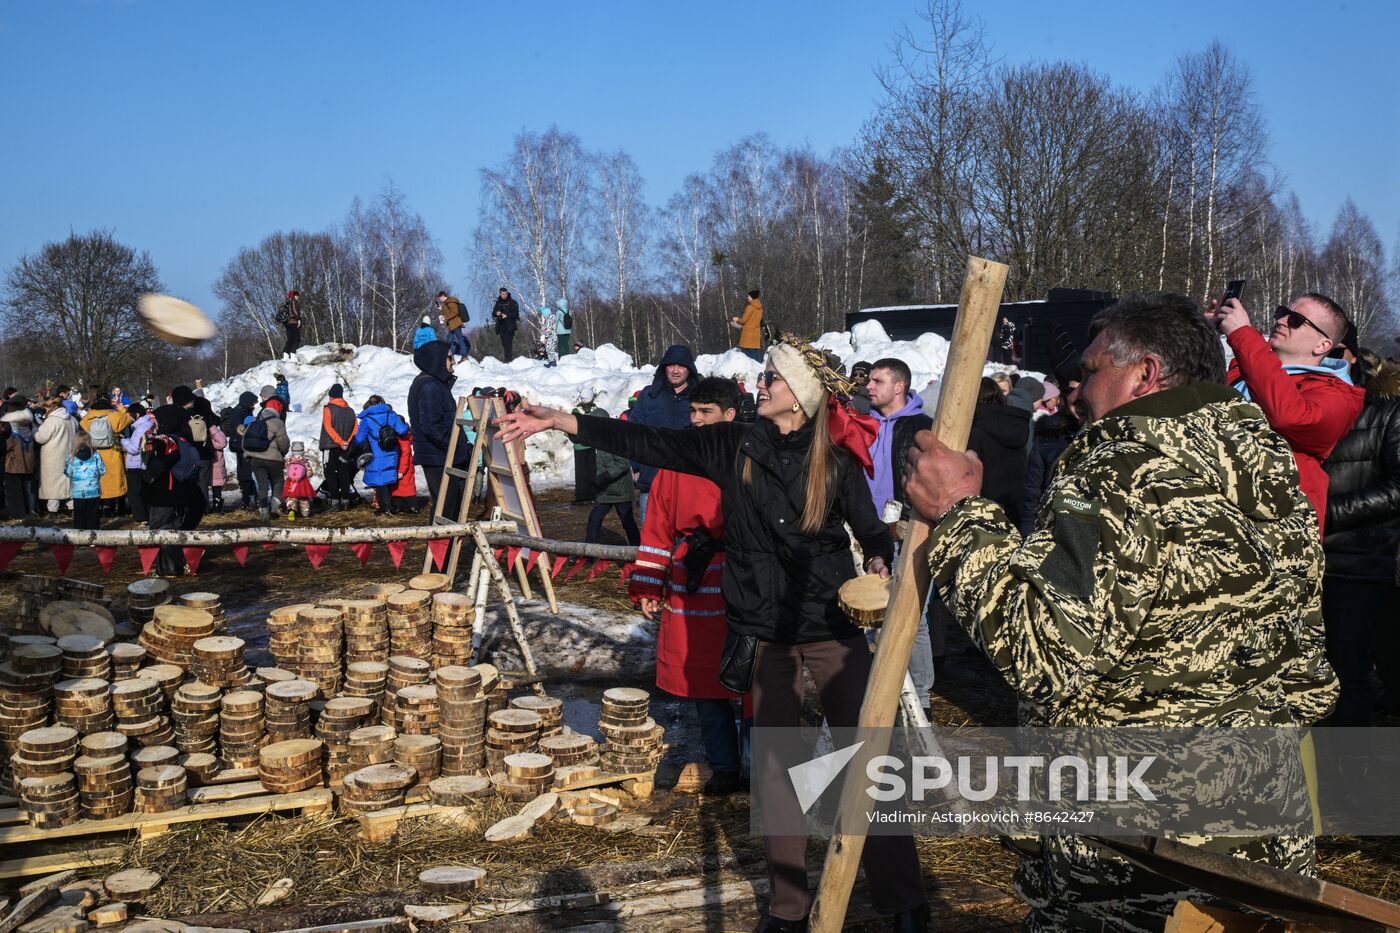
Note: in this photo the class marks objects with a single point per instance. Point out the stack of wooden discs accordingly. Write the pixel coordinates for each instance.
(172, 632)
(371, 745)
(593, 813)
(459, 790)
(154, 756)
(527, 775)
(82, 589)
(366, 630)
(462, 710)
(411, 624)
(25, 703)
(195, 713)
(633, 738)
(127, 659)
(84, 704)
(452, 629)
(493, 687)
(85, 656)
(34, 592)
(510, 731)
(242, 728)
(37, 660)
(339, 719)
(430, 583)
(167, 676)
(319, 648)
(382, 591)
(416, 710)
(291, 766)
(376, 787)
(218, 662)
(139, 706)
(287, 712)
(142, 598)
(422, 753)
(269, 675)
(210, 603)
(200, 767)
(550, 711)
(46, 750)
(282, 635)
(404, 671)
(160, 789)
(570, 748)
(105, 787)
(366, 679)
(50, 800)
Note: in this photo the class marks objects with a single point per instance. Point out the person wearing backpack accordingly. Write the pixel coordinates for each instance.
(425, 332)
(232, 420)
(21, 456)
(172, 481)
(132, 446)
(379, 434)
(104, 424)
(563, 330)
(454, 318)
(84, 470)
(338, 425)
(265, 443)
(297, 491)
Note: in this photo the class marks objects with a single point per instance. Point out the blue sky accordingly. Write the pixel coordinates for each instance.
(195, 128)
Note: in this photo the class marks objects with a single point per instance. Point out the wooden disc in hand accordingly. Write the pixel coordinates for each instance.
(175, 321)
(865, 599)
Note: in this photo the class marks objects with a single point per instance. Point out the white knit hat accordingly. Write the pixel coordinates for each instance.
(792, 366)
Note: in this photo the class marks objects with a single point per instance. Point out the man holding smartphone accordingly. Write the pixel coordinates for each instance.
(1307, 397)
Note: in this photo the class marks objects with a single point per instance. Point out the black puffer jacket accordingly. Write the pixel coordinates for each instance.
(1049, 438)
(999, 436)
(506, 313)
(904, 430)
(1363, 494)
(431, 407)
(779, 584)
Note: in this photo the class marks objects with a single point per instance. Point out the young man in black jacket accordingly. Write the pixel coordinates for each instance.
(506, 313)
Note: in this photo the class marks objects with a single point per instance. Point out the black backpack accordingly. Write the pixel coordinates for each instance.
(388, 437)
(255, 437)
(568, 321)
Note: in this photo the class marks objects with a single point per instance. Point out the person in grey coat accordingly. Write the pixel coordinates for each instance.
(267, 462)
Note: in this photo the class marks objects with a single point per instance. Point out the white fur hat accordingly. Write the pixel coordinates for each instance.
(792, 366)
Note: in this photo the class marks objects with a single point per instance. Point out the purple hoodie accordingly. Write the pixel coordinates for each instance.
(132, 444)
(882, 483)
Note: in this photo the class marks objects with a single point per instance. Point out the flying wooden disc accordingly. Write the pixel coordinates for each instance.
(864, 599)
(175, 321)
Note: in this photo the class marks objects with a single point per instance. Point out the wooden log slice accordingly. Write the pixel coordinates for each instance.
(592, 813)
(154, 756)
(104, 744)
(291, 692)
(459, 790)
(626, 697)
(529, 765)
(108, 914)
(81, 646)
(430, 583)
(131, 885)
(383, 777)
(515, 720)
(864, 599)
(451, 879)
(542, 807)
(510, 828)
(48, 742)
(293, 755)
(175, 321)
(161, 777)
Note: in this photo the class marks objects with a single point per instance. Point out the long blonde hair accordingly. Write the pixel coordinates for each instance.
(821, 473)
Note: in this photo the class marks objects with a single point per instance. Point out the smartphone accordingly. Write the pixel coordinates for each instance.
(1234, 290)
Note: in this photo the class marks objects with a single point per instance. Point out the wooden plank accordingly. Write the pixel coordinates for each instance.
(605, 779)
(233, 776)
(380, 925)
(217, 792)
(44, 864)
(317, 799)
(11, 815)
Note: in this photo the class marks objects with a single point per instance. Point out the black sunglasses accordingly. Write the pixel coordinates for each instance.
(768, 377)
(1296, 320)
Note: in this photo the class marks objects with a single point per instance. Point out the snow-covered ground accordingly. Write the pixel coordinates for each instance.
(606, 371)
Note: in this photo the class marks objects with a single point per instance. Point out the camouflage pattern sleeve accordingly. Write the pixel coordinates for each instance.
(1062, 607)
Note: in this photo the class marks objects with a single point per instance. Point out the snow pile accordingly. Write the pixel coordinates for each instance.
(607, 371)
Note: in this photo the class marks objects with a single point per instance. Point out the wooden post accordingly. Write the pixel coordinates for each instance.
(957, 398)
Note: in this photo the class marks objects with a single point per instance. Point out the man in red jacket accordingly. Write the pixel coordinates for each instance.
(1306, 397)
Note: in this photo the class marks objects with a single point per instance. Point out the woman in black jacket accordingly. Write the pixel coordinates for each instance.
(1360, 600)
(787, 483)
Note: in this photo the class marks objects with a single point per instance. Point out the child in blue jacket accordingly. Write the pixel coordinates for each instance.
(85, 470)
(382, 472)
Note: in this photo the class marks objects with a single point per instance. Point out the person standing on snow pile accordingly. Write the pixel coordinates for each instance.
(289, 316)
(84, 470)
(425, 332)
(664, 404)
(788, 487)
(750, 327)
(380, 432)
(1306, 395)
(338, 426)
(506, 315)
(453, 315)
(563, 330)
(284, 392)
(549, 341)
(679, 570)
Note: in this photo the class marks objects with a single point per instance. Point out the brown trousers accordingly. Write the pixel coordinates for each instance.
(840, 669)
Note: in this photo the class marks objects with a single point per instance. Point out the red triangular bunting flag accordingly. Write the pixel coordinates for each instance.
(598, 569)
(559, 563)
(396, 549)
(63, 553)
(438, 548)
(317, 553)
(534, 558)
(240, 554)
(193, 555)
(511, 554)
(8, 550)
(578, 565)
(105, 556)
(148, 557)
(268, 545)
(362, 550)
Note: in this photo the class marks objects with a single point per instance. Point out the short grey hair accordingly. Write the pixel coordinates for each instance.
(1170, 327)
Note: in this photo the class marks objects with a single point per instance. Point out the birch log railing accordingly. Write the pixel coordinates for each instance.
(498, 534)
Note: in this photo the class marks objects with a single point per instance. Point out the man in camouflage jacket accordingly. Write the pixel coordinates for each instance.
(1173, 578)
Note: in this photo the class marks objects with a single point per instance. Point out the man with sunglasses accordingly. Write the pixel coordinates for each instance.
(1307, 397)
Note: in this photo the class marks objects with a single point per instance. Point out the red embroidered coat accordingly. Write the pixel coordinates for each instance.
(693, 626)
